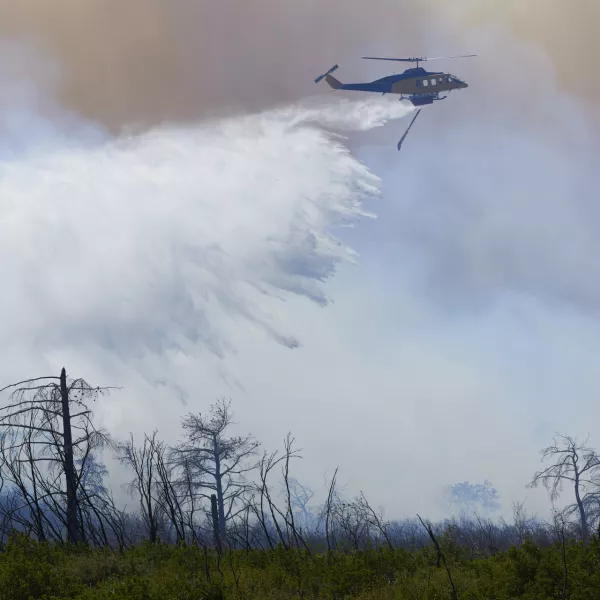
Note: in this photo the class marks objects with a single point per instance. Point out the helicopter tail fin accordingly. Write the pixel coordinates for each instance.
(332, 81)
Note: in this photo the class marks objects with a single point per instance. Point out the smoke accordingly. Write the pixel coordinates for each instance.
(144, 62)
(31, 119)
(137, 260)
(565, 31)
(499, 178)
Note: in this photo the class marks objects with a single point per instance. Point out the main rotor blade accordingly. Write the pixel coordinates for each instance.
(398, 59)
(456, 56)
(421, 59)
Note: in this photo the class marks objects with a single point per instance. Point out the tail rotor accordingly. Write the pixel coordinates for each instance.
(320, 77)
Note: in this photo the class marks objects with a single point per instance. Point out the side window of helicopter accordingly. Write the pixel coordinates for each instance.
(440, 80)
(433, 82)
(425, 82)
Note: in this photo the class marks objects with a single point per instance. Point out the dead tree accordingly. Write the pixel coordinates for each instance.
(40, 422)
(300, 496)
(29, 507)
(351, 521)
(169, 498)
(289, 518)
(578, 464)
(328, 509)
(560, 527)
(282, 520)
(217, 463)
(440, 557)
(522, 524)
(265, 466)
(375, 520)
(185, 484)
(143, 461)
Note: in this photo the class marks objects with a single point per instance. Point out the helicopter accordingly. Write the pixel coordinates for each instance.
(416, 84)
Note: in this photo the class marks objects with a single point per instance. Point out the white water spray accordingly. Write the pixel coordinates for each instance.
(149, 243)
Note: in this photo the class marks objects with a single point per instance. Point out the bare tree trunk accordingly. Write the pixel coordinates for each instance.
(286, 479)
(262, 519)
(581, 508)
(440, 556)
(219, 486)
(328, 507)
(378, 522)
(215, 520)
(72, 508)
(565, 587)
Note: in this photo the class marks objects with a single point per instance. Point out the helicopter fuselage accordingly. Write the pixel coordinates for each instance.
(412, 83)
(420, 81)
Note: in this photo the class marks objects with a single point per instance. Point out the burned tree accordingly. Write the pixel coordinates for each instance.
(214, 462)
(264, 508)
(578, 464)
(300, 496)
(143, 461)
(47, 426)
(156, 486)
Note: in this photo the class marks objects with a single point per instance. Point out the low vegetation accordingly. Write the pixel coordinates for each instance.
(160, 571)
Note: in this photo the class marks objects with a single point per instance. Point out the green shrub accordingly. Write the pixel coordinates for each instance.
(31, 570)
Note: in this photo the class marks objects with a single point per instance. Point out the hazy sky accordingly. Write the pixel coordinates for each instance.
(197, 257)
